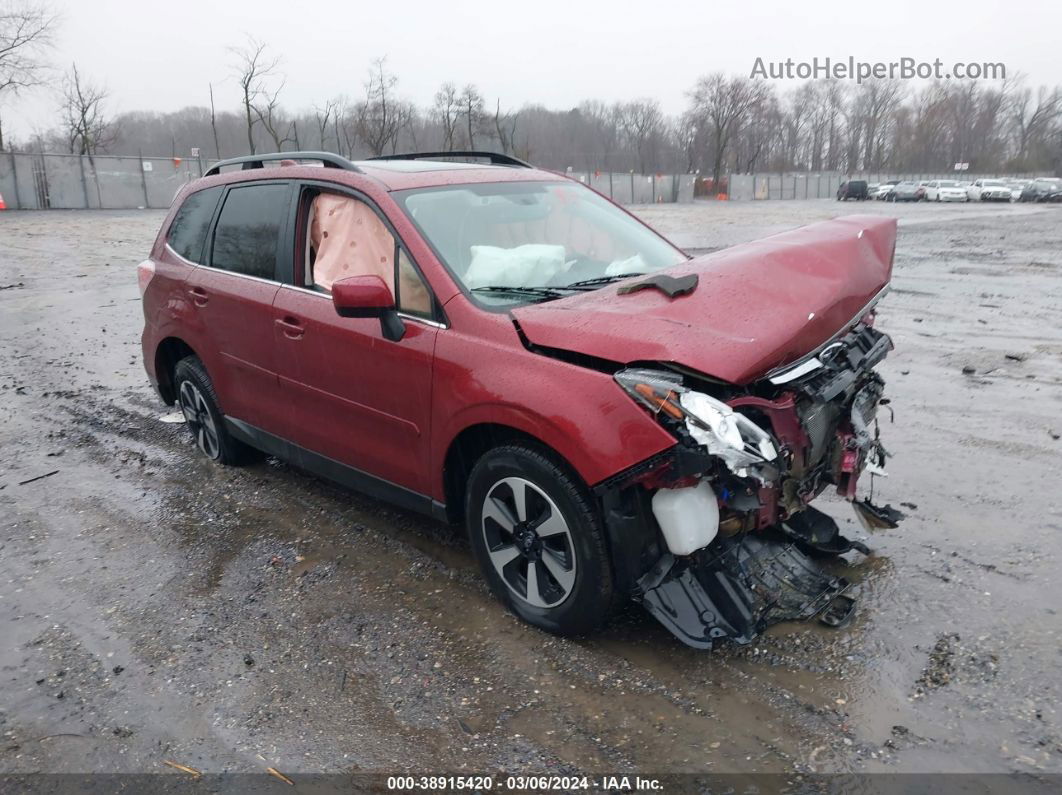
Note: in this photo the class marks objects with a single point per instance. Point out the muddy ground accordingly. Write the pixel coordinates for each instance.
(156, 607)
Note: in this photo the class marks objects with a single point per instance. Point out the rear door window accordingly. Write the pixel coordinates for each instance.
(248, 231)
(188, 232)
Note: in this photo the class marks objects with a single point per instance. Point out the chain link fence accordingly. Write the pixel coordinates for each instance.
(631, 188)
(53, 181)
(111, 182)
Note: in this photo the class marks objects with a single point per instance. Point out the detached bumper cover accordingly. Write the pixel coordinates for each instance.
(746, 586)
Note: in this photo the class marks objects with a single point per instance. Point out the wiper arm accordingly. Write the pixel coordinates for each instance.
(540, 292)
(591, 283)
(556, 290)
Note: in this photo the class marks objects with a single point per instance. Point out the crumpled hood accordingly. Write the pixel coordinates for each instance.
(757, 306)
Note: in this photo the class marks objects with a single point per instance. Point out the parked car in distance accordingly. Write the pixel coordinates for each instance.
(502, 347)
(905, 191)
(920, 193)
(945, 190)
(852, 189)
(1045, 189)
(988, 190)
(885, 189)
(1016, 187)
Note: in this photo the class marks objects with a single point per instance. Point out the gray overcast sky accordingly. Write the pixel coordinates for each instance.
(162, 56)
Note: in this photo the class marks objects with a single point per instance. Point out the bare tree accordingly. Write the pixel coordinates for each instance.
(471, 104)
(875, 102)
(505, 128)
(26, 30)
(689, 136)
(269, 113)
(84, 116)
(254, 70)
(600, 133)
(378, 119)
(214, 124)
(1032, 122)
(339, 113)
(760, 139)
(723, 104)
(323, 116)
(642, 124)
(446, 112)
(406, 119)
(817, 139)
(796, 117)
(349, 126)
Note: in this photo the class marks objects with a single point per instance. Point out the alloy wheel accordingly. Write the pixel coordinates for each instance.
(529, 542)
(200, 420)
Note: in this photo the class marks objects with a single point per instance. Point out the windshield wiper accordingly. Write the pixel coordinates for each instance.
(538, 292)
(555, 290)
(589, 284)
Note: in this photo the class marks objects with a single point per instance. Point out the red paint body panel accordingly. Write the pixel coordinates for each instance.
(362, 293)
(483, 374)
(757, 306)
(166, 304)
(236, 315)
(350, 394)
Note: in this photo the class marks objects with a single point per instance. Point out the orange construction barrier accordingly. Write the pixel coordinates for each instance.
(3, 206)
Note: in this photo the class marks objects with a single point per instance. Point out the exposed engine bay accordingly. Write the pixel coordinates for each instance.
(731, 499)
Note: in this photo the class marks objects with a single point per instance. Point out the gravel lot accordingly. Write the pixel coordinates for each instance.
(156, 607)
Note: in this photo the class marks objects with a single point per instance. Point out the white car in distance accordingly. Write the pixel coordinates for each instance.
(945, 190)
(989, 190)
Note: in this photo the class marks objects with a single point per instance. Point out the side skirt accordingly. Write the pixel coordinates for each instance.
(333, 470)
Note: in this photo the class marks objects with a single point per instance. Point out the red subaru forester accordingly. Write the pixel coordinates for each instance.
(489, 343)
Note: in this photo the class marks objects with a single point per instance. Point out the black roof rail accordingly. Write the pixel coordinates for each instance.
(496, 158)
(328, 159)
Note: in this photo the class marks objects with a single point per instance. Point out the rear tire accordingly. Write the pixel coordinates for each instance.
(539, 540)
(198, 401)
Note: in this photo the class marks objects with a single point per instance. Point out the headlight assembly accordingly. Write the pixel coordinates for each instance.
(725, 433)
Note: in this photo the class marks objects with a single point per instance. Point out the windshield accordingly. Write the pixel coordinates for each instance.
(948, 184)
(994, 183)
(515, 242)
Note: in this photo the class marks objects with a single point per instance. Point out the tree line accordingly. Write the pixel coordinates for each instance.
(731, 124)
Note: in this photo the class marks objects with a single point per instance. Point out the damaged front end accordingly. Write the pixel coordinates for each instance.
(737, 537)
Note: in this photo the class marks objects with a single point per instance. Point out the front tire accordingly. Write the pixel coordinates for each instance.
(198, 401)
(539, 540)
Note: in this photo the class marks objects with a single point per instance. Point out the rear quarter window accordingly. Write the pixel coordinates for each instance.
(188, 232)
(247, 234)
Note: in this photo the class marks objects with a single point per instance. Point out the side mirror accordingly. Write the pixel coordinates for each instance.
(361, 296)
(368, 296)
